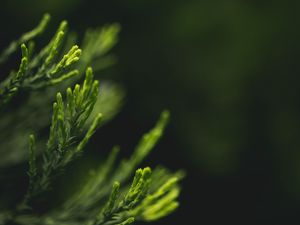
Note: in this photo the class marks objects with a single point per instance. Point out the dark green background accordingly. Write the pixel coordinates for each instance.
(229, 73)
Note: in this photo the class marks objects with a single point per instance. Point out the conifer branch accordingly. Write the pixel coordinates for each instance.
(43, 69)
(107, 197)
(64, 144)
(138, 203)
(36, 99)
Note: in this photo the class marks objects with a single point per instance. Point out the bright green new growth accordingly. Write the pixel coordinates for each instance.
(65, 142)
(56, 66)
(106, 196)
(42, 70)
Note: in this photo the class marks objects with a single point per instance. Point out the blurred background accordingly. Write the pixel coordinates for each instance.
(229, 73)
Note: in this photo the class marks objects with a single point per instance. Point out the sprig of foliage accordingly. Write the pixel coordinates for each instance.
(138, 203)
(56, 66)
(87, 198)
(149, 197)
(65, 142)
(106, 197)
(42, 70)
(97, 43)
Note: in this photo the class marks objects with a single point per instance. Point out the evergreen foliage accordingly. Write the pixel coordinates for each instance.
(107, 196)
